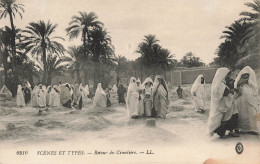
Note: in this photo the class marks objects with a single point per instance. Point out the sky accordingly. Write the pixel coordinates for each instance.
(181, 26)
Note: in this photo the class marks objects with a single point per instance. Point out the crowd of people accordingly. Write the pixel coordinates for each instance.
(233, 104)
(149, 99)
(65, 95)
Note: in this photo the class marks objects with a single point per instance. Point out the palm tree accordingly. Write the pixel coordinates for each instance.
(102, 51)
(76, 53)
(120, 66)
(249, 15)
(10, 8)
(38, 41)
(56, 66)
(83, 24)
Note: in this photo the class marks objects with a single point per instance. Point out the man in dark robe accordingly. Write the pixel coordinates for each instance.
(27, 93)
(121, 94)
(179, 92)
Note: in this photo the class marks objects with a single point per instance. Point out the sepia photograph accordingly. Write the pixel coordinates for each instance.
(129, 81)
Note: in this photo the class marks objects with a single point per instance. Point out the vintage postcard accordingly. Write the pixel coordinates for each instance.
(129, 81)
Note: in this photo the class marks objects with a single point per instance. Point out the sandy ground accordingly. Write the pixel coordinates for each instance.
(180, 138)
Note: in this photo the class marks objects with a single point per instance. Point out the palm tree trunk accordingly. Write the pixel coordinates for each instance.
(5, 67)
(78, 75)
(44, 78)
(13, 46)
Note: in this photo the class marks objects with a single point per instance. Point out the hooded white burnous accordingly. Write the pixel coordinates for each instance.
(41, 97)
(100, 97)
(6, 92)
(114, 88)
(140, 89)
(198, 93)
(160, 96)
(20, 97)
(84, 91)
(34, 96)
(132, 98)
(246, 101)
(220, 106)
(148, 98)
(54, 97)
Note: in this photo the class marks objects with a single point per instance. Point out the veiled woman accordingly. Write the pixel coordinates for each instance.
(65, 95)
(222, 110)
(76, 95)
(148, 98)
(140, 89)
(100, 99)
(160, 97)
(20, 97)
(246, 100)
(34, 96)
(198, 93)
(54, 97)
(132, 99)
(5, 93)
(41, 97)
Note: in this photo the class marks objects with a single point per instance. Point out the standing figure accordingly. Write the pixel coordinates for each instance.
(41, 97)
(121, 94)
(108, 97)
(198, 93)
(48, 95)
(65, 96)
(34, 96)
(77, 95)
(54, 97)
(246, 100)
(100, 98)
(132, 99)
(20, 97)
(179, 92)
(221, 105)
(27, 92)
(140, 90)
(160, 97)
(148, 99)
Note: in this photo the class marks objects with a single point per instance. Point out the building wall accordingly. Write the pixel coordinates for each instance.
(187, 76)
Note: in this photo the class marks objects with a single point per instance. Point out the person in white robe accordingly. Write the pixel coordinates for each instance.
(246, 100)
(140, 90)
(5, 93)
(41, 97)
(198, 93)
(114, 88)
(160, 97)
(54, 97)
(76, 95)
(100, 99)
(20, 97)
(34, 96)
(221, 105)
(148, 99)
(132, 99)
(48, 95)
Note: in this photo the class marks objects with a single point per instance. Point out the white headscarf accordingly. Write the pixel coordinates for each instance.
(28, 84)
(156, 83)
(252, 78)
(19, 90)
(218, 87)
(86, 89)
(197, 83)
(147, 80)
(100, 89)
